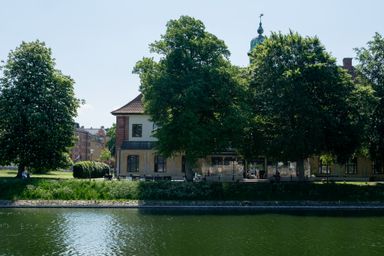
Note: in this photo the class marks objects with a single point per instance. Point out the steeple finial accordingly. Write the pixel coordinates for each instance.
(260, 30)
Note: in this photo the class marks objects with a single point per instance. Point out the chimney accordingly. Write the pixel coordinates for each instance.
(347, 63)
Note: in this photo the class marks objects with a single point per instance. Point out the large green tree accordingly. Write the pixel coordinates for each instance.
(371, 71)
(192, 93)
(37, 109)
(303, 103)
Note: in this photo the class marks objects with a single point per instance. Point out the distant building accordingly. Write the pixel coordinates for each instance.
(89, 143)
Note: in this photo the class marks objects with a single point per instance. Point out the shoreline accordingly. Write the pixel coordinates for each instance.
(263, 206)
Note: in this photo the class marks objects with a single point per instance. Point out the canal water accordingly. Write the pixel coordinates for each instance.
(137, 232)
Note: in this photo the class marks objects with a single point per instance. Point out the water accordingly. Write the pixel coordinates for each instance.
(134, 232)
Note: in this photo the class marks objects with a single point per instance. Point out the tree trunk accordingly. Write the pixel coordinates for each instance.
(188, 171)
(20, 170)
(300, 169)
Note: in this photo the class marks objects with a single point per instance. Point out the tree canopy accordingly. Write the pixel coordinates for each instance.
(193, 94)
(371, 71)
(37, 109)
(302, 103)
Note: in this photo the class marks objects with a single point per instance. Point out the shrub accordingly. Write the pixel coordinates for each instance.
(90, 169)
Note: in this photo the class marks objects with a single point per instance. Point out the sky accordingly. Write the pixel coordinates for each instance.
(98, 42)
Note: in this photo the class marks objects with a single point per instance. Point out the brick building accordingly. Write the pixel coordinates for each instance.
(89, 143)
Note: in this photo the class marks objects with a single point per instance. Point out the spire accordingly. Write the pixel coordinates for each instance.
(260, 38)
(260, 30)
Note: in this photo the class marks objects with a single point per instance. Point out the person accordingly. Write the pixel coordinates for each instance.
(277, 176)
(24, 175)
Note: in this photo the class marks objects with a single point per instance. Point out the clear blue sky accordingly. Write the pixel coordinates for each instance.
(97, 43)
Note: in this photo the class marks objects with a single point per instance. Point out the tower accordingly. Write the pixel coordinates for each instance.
(260, 38)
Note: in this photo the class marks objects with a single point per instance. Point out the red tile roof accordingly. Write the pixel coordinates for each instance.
(133, 107)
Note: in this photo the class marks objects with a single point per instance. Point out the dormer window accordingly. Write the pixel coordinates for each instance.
(137, 130)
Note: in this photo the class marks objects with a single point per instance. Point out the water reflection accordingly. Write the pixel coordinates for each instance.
(86, 231)
(105, 232)
(132, 232)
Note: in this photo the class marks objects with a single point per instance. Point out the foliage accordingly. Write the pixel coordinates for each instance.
(106, 157)
(303, 103)
(371, 71)
(111, 143)
(327, 159)
(90, 169)
(193, 94)
(74, 189)
(37, 109)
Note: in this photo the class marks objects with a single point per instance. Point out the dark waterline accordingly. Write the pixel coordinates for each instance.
(152, 232)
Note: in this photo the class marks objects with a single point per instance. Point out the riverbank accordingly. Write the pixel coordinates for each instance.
(169, 191)
(268, 206)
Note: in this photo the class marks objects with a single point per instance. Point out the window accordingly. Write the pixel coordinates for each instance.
(351, 166)
(215, 160)
(137, 130)
(160, 164)
(324, 168)
(154, 127)
(377, 167)
(133, 163)
(229, 160)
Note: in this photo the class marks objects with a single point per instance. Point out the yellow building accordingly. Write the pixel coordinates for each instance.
(359, 168)
(135, 154)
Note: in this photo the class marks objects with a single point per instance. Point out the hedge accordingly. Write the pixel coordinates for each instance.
(90, 169)
(75, 189)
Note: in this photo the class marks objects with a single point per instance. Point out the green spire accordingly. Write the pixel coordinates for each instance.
(260, 30)
(260, 38)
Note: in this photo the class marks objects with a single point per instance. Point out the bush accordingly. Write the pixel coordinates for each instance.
(90, 169)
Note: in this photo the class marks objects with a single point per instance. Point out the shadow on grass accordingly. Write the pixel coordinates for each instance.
(284, 191)
(12, 188)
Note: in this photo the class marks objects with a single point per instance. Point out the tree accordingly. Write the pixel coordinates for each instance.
(111, 135)
(371, 71)
(106, 156)
(192, 93)
(303, 103)
(37, 109)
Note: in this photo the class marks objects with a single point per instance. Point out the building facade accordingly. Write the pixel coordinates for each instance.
(89, 143)
(136, 156)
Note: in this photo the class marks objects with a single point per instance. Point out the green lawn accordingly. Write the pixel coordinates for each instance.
(357, 183)
(50, 175)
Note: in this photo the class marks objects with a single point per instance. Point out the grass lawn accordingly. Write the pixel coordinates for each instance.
(356, 183)
(50, 175)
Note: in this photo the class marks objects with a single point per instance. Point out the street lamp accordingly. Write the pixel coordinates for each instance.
(89, 171)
